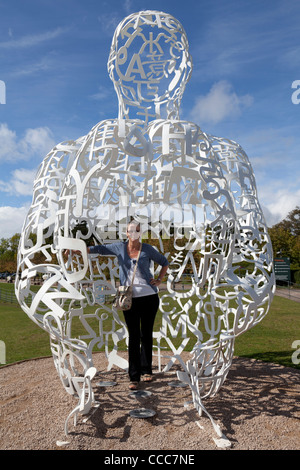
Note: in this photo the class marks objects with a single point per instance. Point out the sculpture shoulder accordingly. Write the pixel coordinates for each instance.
(117, 123)
(229, 143)
(228, 149)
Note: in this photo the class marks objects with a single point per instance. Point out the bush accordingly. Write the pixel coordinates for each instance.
(296, 277)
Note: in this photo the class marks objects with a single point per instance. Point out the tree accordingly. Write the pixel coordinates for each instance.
(285, 237)
(282, 241)
(295, 252)
(291, 223)
(9, 252)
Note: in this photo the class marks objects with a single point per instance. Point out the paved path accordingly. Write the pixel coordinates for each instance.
(292, 294)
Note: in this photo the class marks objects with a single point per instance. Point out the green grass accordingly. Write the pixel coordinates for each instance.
(270, 341)
(22, 337)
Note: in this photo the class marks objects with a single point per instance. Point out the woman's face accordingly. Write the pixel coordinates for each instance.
(133, 232)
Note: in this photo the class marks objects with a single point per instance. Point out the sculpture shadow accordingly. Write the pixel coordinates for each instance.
(112, 420)
(255, 388)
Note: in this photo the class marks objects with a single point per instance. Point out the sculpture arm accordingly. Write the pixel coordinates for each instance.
(251, 272)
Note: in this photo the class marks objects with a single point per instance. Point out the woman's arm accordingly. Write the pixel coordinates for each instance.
(108, 249)
(76, 252)
(157, 282)
(156, 256)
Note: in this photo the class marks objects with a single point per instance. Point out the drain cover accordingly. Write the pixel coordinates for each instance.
(106, 384)
(177, 384)
(142, 413)
(140, 394)
(188, 403)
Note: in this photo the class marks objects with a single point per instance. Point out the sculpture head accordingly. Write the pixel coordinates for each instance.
(149, 64)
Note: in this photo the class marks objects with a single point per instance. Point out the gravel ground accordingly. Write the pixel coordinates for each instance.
(257, 409)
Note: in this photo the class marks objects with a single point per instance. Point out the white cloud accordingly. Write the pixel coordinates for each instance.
(102, 94)
(32, 40)
(219, 104)
(109, 21)
(31, 68)
(127, 6)
(38, 141)
(277, 204)
(21, 183)
(34, 143)
(274, 155)
(11, 220)
(8, 141)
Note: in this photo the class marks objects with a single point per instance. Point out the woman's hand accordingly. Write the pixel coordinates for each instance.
(155, 282)
(72, 252)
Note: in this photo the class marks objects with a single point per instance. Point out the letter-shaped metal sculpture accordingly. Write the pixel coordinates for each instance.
(181, 184)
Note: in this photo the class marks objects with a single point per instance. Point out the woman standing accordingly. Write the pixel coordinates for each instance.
(140, 318)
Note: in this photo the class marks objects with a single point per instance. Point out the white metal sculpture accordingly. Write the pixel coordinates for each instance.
(180, 183)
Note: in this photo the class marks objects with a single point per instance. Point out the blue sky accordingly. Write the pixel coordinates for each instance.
(53, 56)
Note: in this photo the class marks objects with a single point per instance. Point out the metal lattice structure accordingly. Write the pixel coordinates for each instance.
(182, 184)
